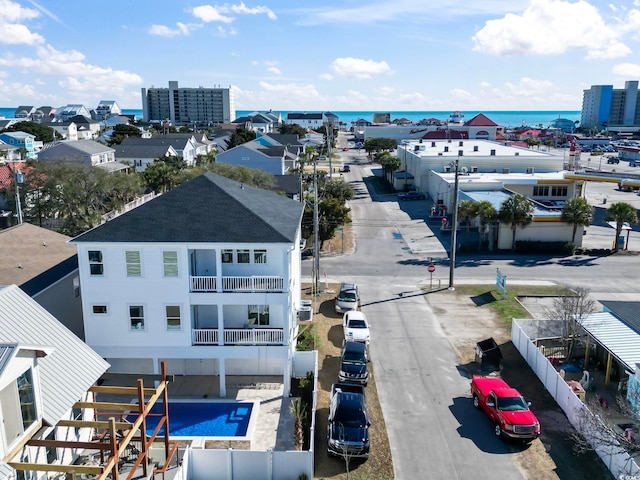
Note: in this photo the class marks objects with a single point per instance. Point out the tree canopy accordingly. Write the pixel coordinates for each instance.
(41, 132)
(621, 213)
(577, 211)
(517, 211)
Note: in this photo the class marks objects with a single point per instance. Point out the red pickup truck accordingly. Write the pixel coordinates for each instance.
(505, 407)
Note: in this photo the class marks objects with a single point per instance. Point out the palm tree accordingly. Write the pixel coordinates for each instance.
(467, 209)
(299, 413)
(516, 210)
(487, 214)
(621, 213)
(577, 211)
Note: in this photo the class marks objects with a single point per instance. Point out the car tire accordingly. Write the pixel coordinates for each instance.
(497, 430)
(476, 401)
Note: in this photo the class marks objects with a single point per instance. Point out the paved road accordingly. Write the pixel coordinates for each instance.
(424, 398)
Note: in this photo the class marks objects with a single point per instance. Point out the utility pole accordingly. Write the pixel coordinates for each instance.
(454, 226)
(316, 243)
(329, 129)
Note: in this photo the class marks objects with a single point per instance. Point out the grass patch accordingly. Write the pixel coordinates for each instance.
(307, 338)
(508, 308)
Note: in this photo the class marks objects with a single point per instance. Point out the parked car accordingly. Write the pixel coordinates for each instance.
(411, 196)
(346, 169)
(355, 326)
(348, 426)
(505, 407)
(347, 298)
(613, 160)
(353, 363)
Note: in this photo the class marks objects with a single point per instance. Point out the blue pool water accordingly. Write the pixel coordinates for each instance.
(204, 419)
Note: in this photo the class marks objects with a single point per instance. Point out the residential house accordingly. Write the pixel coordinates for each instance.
(205, 276)
(65, 113)
(290, 140)
(25, 112)
(44, 114)
(276, 160)
(187, 145)
(68, 130)
(106, 109)
(88, 129)
(265, 122)
(141, 155)
(87, 152)
(45, 267)
(21, 140)
(44, 371)
(306, 120)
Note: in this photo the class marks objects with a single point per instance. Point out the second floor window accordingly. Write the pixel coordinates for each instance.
(540, 191)
(559, 191)
(173, 317)
(258, 314)
(243, 256)
(170, 262)
(134, 268)
(96, 267)
(136, 317)
(259, 256)
(227, 256)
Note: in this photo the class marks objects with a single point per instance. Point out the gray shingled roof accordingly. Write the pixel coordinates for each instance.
(209, 208)
(69, 370)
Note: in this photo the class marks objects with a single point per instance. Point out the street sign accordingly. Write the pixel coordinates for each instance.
(431, 268)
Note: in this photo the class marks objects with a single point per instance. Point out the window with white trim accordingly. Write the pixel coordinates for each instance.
(258, 314)
(170, 263)
(96, 267)
(243, 256)
(559, 191)
(173, 317)
(259, 256)
(134, 268)
(99, 309)
(136, 317)
(541, 191)
(227, 256)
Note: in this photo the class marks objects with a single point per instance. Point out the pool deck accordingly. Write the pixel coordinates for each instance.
(274, 424)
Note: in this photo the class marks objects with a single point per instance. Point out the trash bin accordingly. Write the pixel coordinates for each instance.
(306, 310)
(488, 354)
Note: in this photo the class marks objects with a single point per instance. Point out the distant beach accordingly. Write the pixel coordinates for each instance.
(506, 118)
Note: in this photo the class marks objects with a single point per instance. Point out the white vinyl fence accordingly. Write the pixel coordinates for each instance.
(229, 464)
(619, 463)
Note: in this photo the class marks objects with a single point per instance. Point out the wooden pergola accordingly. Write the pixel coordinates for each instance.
(115, 436)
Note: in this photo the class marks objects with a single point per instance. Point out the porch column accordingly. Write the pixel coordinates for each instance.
(286, 375)
(607, 378)
(220, 324)
(223, 380)
(218, 270)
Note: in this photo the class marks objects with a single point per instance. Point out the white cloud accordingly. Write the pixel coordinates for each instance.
(358, 68)
(280, 95)
(549, 27)
(12, 32)
(274, 70)
(326, 76)
(627, 70)
(164, 31)
(14, 12)
(208, 13)
(242, 8)
(218, 13)
(460, 94)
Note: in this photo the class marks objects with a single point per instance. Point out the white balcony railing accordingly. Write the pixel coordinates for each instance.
(238, 284)
(238, 336)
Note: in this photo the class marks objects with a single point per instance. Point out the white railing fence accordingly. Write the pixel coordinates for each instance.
(618, 462)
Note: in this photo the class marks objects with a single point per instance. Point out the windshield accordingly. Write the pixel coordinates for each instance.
(512, 404)
(347, 296)
(357, 323)
(353, 357)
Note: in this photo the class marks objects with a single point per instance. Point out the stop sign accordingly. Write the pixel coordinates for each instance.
(431, 268)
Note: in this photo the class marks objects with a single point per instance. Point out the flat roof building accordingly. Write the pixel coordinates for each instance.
(188, 106)
(605, 106)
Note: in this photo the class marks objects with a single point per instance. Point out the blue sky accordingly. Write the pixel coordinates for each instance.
(331, 55)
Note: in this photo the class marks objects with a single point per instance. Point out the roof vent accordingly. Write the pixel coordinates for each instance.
(460, 153)
(446, 148)
(460, 143)
(416, 148)
(475, 148)
(447, 169)
(530, 170)
(474, 169)
(493, 153)
(433, 144)
(505, 170)
(439, 154)
(517, 153)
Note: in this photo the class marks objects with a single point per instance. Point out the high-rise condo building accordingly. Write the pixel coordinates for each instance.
(187, 106)
(605, 106)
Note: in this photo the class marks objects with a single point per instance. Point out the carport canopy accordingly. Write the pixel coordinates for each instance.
(622, 341)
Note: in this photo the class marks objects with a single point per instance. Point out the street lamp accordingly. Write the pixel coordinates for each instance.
(454, 226)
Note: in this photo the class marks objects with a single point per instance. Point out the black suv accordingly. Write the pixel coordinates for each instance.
(348, 428)
(353, 363)
(613, 160)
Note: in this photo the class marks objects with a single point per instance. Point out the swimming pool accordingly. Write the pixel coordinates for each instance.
(204, 419)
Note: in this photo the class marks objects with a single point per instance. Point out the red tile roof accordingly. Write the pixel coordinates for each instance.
(480, 120)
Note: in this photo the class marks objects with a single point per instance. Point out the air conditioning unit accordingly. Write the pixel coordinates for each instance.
(447, 169)
(464, 171)
(505, 170)
(474, 169)
(530, 170)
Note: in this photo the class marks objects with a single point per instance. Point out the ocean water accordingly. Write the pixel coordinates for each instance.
(506, 118)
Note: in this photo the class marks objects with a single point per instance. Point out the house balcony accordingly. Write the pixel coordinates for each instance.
(237, 284)
(238, 336)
